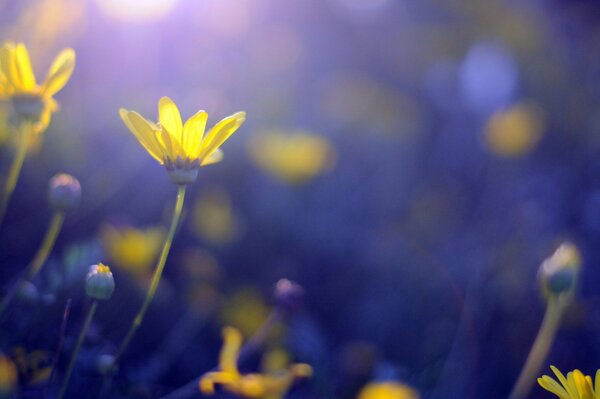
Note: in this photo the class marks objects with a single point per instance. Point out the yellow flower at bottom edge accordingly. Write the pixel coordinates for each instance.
(575, 385)
(254, 385)
(8, 375)
(387, 390)
(132, 249)
(17, 82)
(182, 149)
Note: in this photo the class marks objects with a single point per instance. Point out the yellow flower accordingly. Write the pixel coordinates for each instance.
(31, 101)
(255, 385)
(292, 157)
(131, 249)
(182, 149)
(387, 390)
(574, 386)
(8, 375)
(246, 310)
(214, 220)
(515, 131)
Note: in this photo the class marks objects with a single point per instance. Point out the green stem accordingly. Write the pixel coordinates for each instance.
(541, 346)
(137, 321)
(38, 261)
(88, 320)
(15, 169)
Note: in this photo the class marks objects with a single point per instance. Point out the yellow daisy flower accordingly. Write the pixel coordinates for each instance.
(181, 148)
(253, 385)
(387, 390)
(31, 101)
(574, 386)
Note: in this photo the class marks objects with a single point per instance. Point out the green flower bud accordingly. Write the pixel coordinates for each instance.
(558, 273)
(99, 283)
(64, 192)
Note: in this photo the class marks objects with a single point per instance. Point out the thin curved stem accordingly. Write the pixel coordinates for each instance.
(541, 346)
(39, 259)
(137, 321)
(15, 168)
(88, 320)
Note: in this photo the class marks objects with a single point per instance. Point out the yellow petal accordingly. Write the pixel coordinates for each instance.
(9, 66)
(60, 72)
(215, 157)
(143, 131)
(24, 69)
(193, 131)
(220, 133)
(41, 126)
(169, 118)
(232, 342)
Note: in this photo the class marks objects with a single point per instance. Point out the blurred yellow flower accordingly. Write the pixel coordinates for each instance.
(182, 149)
(8, 375)
(254, 385)
(294, 157)
(31, 101)
(245, 310)
(515, 131)
(387, 390)
(574, 386)
(131, 249)
(214, 220)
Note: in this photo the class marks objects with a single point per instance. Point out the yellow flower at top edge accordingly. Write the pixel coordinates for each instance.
(181, 148)
(31, 101)
(295, 157)
(387, 390)
(575, 385)
(253, 385)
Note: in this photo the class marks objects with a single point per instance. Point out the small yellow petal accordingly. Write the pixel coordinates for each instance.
(143, 131)
(170, 118)
(60, 72)
(231, 349)
(8, 65)
(23, 67)
(215, 157)
(193, 131)
(220, 133)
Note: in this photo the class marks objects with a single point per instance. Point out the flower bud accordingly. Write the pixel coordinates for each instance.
(64, 192)
(288, 295)
(558, 273)
(99, 283)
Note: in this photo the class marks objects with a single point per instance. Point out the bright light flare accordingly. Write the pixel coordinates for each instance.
(136, 10)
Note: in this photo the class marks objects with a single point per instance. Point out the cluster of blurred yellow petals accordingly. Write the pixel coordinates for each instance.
(131, 249)
(177, 145)
(18, 82)
(514, 131)
(272, 385)
(8, 375)
(214, 220)
(293, 157)
(575, 385)
(387, 390)
(246, 310)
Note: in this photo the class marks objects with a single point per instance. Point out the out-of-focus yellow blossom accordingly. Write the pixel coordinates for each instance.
(254, 385)
(35, 366)
(214, 219)
(182, 149)
(8, 375)
(245, 310)
(387, 390)
(515, 131)
(294, 157)
(574, 386)
(18, 83)
(131, 249)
